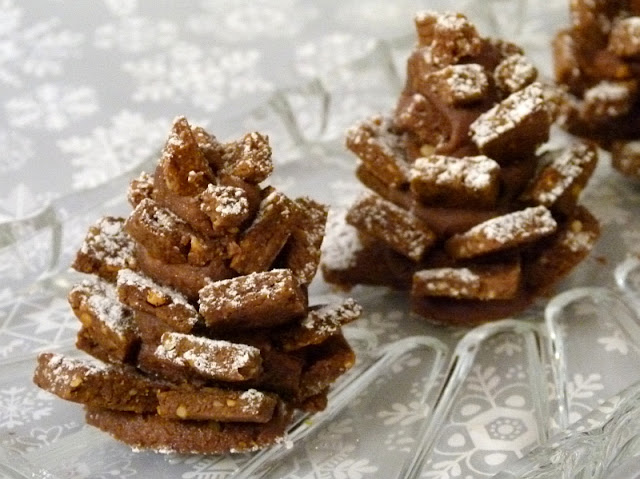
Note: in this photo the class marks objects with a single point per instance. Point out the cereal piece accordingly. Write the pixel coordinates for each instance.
(106, 249)
(187, 208)
(591, 21)
(141, 293)
(625, 157)
(150, 327)
(566, 63)
(210, 358)
(163, 234)
(185, 277)
(513, 128)
(443, 221)
(249, 158)
(346, 260)
(392, 225)
(329, 361)
(607, 100)
(226, 206)
(380, 149)
(560, 183)
(320, 324)
(567, 248)
(624, 39)
(514, 73)
(261, 243)
(414, 114)
(428, 129)
(260, 299)
(501, 233)
(302, 251)
(483, 282)
(315, 403)
(281, 372)
(167, 237)
(459, 84)
(469, 312)
(185, 170)
(210, 147)
(450, 36)
(176, 373)
(456, 182)
(217, 404)
(139, 189)
(108, 330)
(163, 435)
(96, 384)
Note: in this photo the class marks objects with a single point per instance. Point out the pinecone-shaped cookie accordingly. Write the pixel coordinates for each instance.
(196, 307)
(462, 210)
(597, 59)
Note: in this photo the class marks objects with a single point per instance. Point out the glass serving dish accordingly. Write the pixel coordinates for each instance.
(551, 393)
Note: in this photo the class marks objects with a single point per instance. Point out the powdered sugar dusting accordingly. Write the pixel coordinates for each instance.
(250, 399)
(514, 73)
(507, 115)
(535, 220)
(328, 319)
(474, 172)
(229, 200)
(158, 218)
(392, 224)
(109, 243)
(569, 165)
(102, 298)
(460, 83)
(133, 278)
(209, 357)
(577, 239)
(232, 293)
(453, 282)
(61, 369)
(342, 243)
(607, 90)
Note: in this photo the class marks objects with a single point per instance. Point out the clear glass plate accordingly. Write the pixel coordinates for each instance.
(427, 401)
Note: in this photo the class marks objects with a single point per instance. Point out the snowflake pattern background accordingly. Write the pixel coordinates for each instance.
(87, 101)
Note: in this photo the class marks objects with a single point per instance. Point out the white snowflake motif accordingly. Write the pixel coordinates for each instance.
(353, 469)
(40, 437)
(20, 405)
(136, 34)
(122, 7)
(35, 50)
(51, 107)
(16, 151)
(204, 467)
(331, 51)
(404, 414)
(245, 20)
(616, 342)
(186, 73)
(493, 423)
(581, 394)
(506, 344)
(107, 152)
